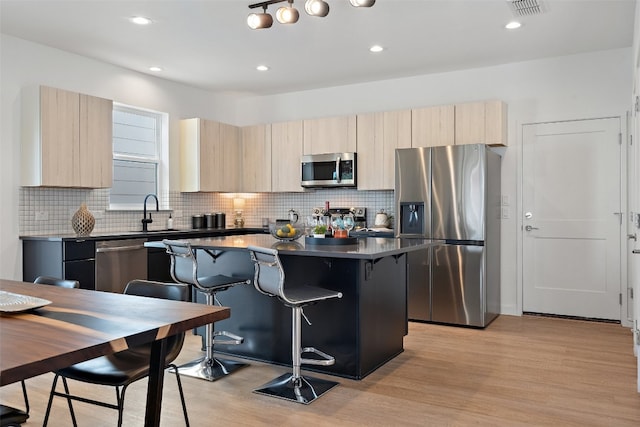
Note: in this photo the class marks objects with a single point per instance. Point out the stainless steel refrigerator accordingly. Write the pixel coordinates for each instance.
(451, 195)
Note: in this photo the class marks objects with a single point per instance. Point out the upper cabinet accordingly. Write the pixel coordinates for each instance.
(209, 156)
(379, 134)
(432, 126)
(66, 139)
(230, 180)
(256, 158)
(483, 122)
(286, 151)
(330, 135)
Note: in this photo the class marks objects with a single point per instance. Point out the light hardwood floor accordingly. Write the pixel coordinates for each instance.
(518, 371)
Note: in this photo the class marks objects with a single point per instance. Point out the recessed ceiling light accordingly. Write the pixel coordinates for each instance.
(376, 48)
(155, 69)
(513, 25)
(262, 68)
(141, 20)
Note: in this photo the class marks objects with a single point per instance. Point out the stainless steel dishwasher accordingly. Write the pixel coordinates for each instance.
(118, 262)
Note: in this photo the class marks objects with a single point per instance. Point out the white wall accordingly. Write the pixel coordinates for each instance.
(580, 86)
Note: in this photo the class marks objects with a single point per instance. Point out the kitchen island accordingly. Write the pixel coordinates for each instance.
(362, 330)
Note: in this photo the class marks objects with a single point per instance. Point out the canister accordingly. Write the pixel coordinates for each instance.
(211, 220)
(197, 221)
(221, 220)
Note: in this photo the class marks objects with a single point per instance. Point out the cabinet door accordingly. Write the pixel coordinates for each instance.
(432, 126)
(495, 115)
(470, 123)
(59, 137)
(96, 142)
(370, 151)
(397, 134)
(482, 122)
(208, 156)
(286, 151)
(379, 134)
(230, 146)
(330, 135)
(256, 158)
(84, 271)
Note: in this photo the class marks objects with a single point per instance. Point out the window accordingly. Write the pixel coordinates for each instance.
(140, 148)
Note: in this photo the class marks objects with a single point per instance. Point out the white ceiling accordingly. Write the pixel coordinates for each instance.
(207, 44)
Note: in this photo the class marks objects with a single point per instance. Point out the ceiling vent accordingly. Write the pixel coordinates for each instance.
(525, 7)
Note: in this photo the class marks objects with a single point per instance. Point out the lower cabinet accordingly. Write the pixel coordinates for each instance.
(158, 265)
(74, 260)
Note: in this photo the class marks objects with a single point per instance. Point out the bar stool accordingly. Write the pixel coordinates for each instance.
(184, 269)
(269, 280)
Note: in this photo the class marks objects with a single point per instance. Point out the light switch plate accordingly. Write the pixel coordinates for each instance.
(505, 213)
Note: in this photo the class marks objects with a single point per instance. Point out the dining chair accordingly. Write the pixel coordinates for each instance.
(13, 417)
(54, 281)
(10, 416)
(121, 369)
(269, 279)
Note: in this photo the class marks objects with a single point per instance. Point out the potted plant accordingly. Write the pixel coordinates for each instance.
(319, 231)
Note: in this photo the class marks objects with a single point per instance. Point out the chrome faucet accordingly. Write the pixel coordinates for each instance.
(146, 221)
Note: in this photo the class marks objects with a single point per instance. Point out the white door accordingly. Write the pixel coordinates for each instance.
(572, 220)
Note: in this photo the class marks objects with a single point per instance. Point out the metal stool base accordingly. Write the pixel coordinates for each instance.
(210, 369)
(302, 390)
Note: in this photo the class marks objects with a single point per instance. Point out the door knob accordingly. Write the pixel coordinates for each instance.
(529, 228)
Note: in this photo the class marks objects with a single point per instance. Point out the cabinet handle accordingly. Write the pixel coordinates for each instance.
(119, 249)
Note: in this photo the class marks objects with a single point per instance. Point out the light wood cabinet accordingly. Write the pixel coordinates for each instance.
(209, 156)
(483, 122)
(67, 139)
(256, 158)
(330, 135)
(432, 126)
(286, 151)
(379, 134)
(230, 180)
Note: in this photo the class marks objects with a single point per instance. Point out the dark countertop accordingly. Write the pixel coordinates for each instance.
(365, 248)
(153, 234)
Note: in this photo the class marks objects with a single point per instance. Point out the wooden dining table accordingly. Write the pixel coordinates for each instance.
(80, 324)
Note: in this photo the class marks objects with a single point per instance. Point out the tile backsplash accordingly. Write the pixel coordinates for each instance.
(49, 211)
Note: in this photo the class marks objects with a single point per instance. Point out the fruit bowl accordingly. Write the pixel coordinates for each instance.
(285, 232)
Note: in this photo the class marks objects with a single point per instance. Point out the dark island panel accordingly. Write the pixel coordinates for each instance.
(363, 330)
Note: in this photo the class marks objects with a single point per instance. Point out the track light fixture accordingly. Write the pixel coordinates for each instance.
(362, 3)
(256, 21)
(289, 14)
(316, 8)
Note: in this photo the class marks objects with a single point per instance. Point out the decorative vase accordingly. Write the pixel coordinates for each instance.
(83, 221)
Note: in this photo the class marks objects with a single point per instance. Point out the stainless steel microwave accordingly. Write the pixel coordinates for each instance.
(329, 170)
